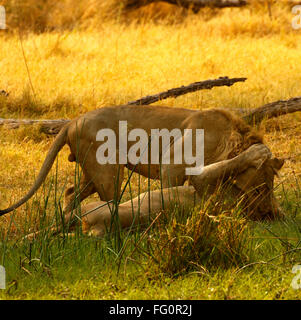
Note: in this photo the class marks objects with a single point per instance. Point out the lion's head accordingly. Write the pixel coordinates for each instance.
(257, 186)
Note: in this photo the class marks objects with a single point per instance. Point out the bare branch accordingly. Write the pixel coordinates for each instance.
(175, 92)
(197, 4)
(274, 109)
(50, 127)
(194, 4)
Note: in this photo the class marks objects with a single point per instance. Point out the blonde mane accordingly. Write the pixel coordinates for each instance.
(243, 135)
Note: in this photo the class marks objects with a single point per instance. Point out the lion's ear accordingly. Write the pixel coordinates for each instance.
(277, 163)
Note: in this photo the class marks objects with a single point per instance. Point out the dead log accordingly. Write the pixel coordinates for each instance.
(175, 92)
(272, 110)
(50, 127)
(198, 4)
(195, 5)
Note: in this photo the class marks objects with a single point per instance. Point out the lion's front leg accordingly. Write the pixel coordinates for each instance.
(215, 173)
(73, 197)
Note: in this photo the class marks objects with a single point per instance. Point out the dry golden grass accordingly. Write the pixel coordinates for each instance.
(94, 63)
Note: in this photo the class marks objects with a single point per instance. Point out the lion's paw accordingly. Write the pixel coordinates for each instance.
(257, 154)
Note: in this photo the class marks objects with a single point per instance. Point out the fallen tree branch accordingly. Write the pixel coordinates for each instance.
(50, 127)
(272, 110)
(193, 4)
(175, 92)
(198, 4)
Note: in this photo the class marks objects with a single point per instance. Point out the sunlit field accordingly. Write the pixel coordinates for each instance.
(100, 60)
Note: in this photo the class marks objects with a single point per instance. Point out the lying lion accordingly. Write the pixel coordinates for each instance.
(243, 174)
(225, 136)
(246, 171)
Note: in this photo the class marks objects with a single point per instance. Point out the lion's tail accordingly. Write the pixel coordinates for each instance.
(57, 145)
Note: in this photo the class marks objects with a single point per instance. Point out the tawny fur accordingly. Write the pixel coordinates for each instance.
(225, 137)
